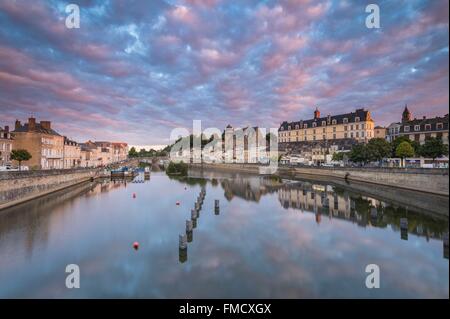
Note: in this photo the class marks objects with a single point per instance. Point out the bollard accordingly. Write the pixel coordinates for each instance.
(183, 242)
(373, 212)
(403, 223)
(189, 226)
(445, 239)
(194, 214)
(189, 236)
(216, 203)
(197, 207)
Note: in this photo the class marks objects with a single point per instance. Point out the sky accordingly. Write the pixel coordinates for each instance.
(135, 70)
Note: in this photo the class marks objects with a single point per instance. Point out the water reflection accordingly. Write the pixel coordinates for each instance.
(268, 238)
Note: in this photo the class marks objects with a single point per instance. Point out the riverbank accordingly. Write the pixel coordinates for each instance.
(19, 187)
(431, 181)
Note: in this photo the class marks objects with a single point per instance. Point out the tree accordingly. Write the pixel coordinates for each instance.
(338, 156)
(132, 152)
(377, 149)
(404, 149)
(20, 155)
(433, 148)
(395, 143)
(359, 154)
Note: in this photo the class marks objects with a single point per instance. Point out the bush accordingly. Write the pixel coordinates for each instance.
(180, 168)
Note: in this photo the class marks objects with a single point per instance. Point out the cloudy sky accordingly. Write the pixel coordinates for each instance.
(135, 70)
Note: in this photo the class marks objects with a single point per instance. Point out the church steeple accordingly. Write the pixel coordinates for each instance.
(406, 115)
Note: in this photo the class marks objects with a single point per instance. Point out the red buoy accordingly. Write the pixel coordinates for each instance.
(178, 203)
(136, 245)
(134, 195)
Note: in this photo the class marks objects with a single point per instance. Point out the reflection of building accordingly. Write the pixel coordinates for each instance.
(356, 125)
(248, 188)
(44, 144)
(420, 129)
(5, 146)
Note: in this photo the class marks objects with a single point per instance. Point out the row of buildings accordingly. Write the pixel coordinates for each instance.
(50, 150)
(318, 138)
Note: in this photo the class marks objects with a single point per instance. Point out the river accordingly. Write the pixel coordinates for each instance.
(271, 238)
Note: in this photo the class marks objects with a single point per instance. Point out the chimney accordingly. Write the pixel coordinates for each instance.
(424, 117)
(17, 125)
(7, 129)
(46, 125)
(31, 124)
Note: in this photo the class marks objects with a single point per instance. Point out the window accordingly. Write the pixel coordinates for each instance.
(289, 127)
(314, 124)
(333, 122)
(305, 125)
(357, 119)
(345, 135)
(324, 137)
(416, 127)
(351, 127)
(345, 120)
(334, 136)
(306, 132)
(406, 128)
(427, 127)
(314, 131)
(357, 126)
(351, 134)
(282, 128)
(345, 127)
(362, 134)
(323, 130)
(357, 134)
(324, 123)
(296, 127)
(439, 126)
(362, 126)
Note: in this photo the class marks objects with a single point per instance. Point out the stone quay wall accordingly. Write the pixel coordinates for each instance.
(434, 181)
(18, 187)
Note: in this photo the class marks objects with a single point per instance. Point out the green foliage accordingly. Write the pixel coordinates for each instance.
(433, 148)
(377, 149)
(132, 152)
(338, 156)
(359, 154)
(180, 168)
(395, 143)
(20, 155)
(404, 149)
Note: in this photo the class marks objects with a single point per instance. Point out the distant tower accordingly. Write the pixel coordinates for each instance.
(316, 113)
(406, 115)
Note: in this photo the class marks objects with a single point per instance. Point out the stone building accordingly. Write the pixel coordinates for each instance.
(6, 144)
(72, 154)
(380, 132)
(357, 126)
(420, 129)
(44, 144)
(120, 151)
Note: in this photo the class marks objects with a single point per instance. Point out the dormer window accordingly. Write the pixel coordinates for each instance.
(406, 129)
(334, 122)
(305, 125)
(345, 120)
(357, 119)
(289, 128)
(296, 127)
(439, 126)
(282, 128)
(314, 124)
(416, 128)
(427, 127)
(324, 123)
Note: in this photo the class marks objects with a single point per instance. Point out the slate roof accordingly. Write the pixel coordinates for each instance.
(364, 115)
(38, 129)
(422, 122)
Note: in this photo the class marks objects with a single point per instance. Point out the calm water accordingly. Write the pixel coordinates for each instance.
(271, 239)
